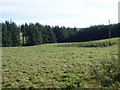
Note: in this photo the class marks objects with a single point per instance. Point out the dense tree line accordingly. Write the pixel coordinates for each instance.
(35, 34)
(10, 34)
(98, 32)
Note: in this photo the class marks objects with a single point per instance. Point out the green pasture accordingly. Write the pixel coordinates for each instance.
(62, 65)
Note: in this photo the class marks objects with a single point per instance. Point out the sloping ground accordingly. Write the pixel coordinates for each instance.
(97, 43)
(50, 66)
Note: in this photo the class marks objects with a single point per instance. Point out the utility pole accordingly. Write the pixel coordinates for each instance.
(109, 33)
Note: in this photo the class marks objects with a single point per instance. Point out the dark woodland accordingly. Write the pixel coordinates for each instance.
(36, 34)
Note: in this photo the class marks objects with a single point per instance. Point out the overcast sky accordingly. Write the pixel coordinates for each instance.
(72, 13)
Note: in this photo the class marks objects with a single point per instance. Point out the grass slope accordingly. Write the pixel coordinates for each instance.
(53, 66)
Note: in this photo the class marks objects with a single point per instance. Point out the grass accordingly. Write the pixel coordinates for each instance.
(58, 66)
(97, 43)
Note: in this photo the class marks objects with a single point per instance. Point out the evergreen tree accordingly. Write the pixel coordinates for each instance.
(35, 34)
(10, 34)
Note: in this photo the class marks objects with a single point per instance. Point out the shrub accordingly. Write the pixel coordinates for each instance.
(106, 72)
(90, 44)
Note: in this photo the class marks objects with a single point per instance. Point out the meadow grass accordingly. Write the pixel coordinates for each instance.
(56, 66)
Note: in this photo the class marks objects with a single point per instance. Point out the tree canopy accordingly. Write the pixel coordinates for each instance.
(35, 34)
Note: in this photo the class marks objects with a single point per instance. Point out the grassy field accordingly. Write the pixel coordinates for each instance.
(61, 65)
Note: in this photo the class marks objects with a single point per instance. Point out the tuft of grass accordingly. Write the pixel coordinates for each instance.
(98, 43)
(50, 66)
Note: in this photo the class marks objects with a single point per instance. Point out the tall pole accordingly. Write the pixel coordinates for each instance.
(109, 33)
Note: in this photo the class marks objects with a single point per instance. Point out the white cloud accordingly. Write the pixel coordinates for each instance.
(67, 12)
